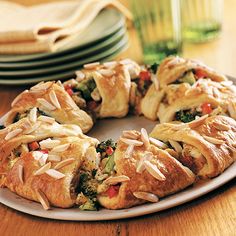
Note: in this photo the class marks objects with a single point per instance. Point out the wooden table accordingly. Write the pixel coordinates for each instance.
(212, 214)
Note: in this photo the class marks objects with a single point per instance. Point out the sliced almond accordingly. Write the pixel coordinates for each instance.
(91, 65)
(37, 155)
(106, 72)
(177, 147)
(49, 143)
(13, 134)
(47, 119)
(96, 95)
(43, 169)
(197, 122)
(131, 142)
(213, 140)
(79, 75)
(42, 199)
(47, 105)
(59, 83)
(61, 148)
(116, 179)
(157, 143)
(43, 159)
(146, 196)
(110, 64)
(216, 92)
(41, 86)
(154, 171)
(54, 157)
(64, 163)
(232, 110)
(21, 173)
(33, 115)
(55, 174)
(130, 134)
(155, 82)
(227, 83)
(129, 151)
(221, 127)
(140, 164)
(144, 137)
(33, 128)
(54, 99)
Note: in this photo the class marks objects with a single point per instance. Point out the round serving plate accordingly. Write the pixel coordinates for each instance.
(105, 24)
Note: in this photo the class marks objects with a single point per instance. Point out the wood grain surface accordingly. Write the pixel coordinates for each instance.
(213, 214)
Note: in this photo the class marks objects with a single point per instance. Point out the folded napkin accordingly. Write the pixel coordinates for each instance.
(47, 27)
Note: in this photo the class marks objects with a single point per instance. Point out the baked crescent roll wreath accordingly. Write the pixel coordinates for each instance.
(183, 102)
(138, 172)
(205, 145)
(174, 69)
(52, 100)
(43, 161)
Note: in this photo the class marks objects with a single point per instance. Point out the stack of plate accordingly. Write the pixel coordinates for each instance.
(102, 40)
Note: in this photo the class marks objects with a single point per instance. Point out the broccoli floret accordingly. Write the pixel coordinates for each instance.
(2, 127)
(186, 115)
(154, 67)
(102, 147)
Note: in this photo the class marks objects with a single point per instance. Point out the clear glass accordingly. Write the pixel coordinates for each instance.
(202, 19)
(158, 25)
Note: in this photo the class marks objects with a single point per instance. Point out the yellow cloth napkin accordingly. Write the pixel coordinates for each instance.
(47, 27)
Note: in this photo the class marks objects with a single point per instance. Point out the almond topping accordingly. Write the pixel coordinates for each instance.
(155, 82)
(213, 140)
(144, 137)
(106, 72)
(221, 126)
(110, 64)
(33, 115)
(197, 122)
(13, 134)
(157, 143)
(37, 155)
(33, 128)
(130, 134)
(131, 142)
(47, 119)
(61, 148)
(154, 171)
(54, 99)
(140, 167)
(47, 105)
(49, 143)
(129, 151)
(79, 75)
(43, 159)
(41, 86)
(117, 179)
(146, 196)
(177, 147)
(42, 199)
(91, 65)
(232, 110)
(55, 174)
(43, 169)
(64, 163)
(54, 157)
(21, 173)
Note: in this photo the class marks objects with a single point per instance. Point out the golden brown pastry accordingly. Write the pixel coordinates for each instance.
(104, 89)
(173, 69)
(184, 102)
(206, 145)
(52, 100)
(141, 172)
(42, 161)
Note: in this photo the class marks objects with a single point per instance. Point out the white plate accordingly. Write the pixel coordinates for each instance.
(111, 128)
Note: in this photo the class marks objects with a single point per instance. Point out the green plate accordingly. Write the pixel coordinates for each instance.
(67, 74)
(107, 22)
(8, 68)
